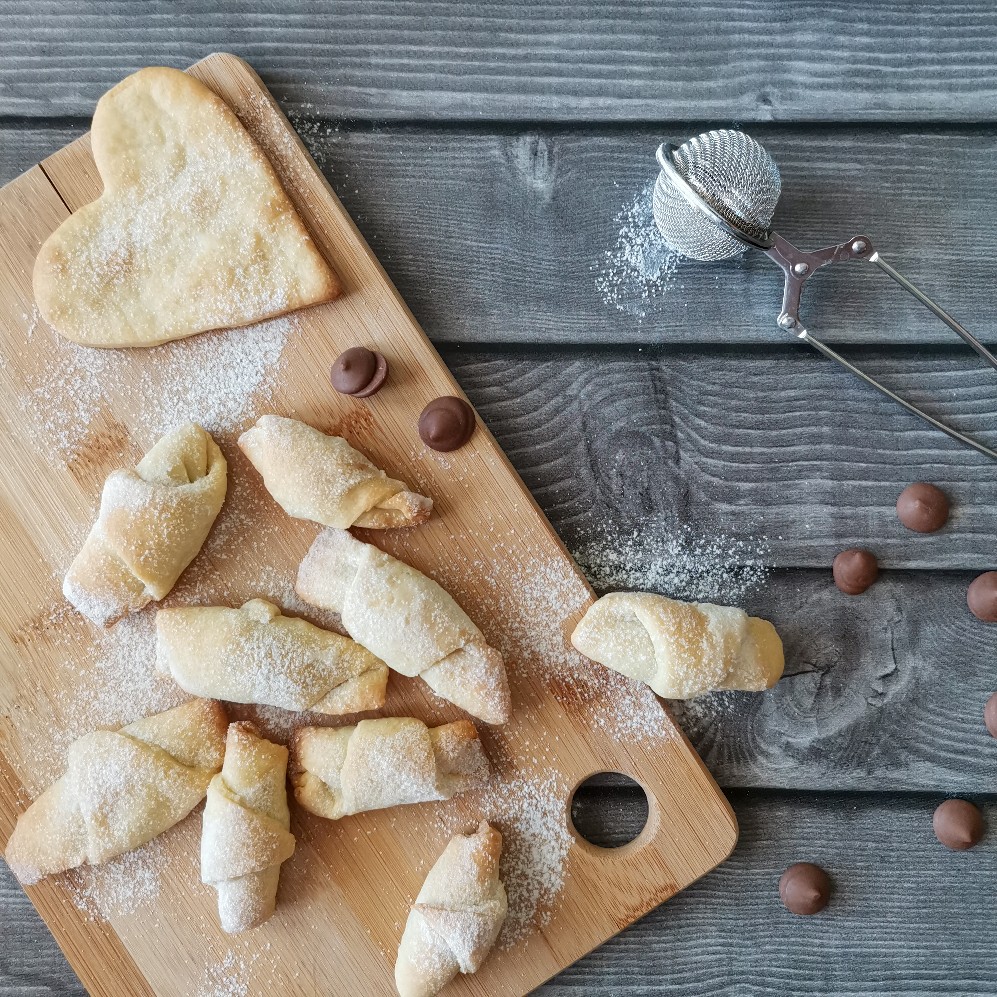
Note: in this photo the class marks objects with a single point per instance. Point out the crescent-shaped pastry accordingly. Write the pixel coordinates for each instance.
(152, 522)
(407, 620)
(457, 915)
(256, 655)
(338, 771)
(680, 649)
(245, 835)
(120, 789)
(322, 478)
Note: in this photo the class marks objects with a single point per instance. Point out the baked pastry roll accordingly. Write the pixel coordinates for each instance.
(322, 478)
(457, 915)
(680, 649)
(407, 620)
(338, 771)
(152, 521)
(120, 789)
(192, 231)
(256, 655)
(245, 836)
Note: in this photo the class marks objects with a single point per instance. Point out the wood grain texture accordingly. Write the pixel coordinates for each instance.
(539, 210)
(881, 691)
(907, 918)
(776, 446)
(763, 60)
(486, 541)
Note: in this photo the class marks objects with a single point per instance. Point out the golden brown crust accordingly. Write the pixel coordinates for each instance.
(391, 761)
(152, 522)
(324, 479)
(406, 619)
(680, 649)
(120, 789)
(192, 232)
(246, 834)
(254, 654)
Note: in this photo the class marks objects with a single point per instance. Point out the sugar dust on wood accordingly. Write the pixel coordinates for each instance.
(215, 379)
(640, 269)
(677, 561)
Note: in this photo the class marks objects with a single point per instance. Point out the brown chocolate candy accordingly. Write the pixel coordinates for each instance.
(958, 824)
(981, 597)
(855, 570)
(990, 715)
(805, 888)
(359, 372)
(446, 423)
(922, 507)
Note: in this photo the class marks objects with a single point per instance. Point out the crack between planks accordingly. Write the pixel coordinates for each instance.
(58, 193)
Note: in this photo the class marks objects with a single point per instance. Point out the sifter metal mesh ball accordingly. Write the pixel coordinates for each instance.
(715, 198)
(735, 176)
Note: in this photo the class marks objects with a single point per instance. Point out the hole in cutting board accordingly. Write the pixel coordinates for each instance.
(609, 809)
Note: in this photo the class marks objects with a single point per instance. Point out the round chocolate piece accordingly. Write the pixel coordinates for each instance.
(446, 423)
(990, 715)
(981, 597)
(805, 888)
(923, 508)
(855, 570)
(358, 372)
(958, 824)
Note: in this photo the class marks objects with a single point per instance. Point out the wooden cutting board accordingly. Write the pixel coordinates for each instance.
(346, 892)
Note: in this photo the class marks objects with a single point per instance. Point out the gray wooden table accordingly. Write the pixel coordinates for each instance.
(486, 150)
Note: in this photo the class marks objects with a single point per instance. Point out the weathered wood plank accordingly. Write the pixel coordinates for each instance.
(502, 236)
(881, 691)
(513, 237)
(846, 60)
(23, 144)
(908, 917)
(508, 242)
(31, 964)
(776, 444)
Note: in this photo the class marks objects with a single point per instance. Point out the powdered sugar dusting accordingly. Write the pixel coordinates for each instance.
(678, 562)
(116, 684)
(230, 978)
(530, 813)
(216, 379)
(124, 885)
(532, 629)
(640, 267)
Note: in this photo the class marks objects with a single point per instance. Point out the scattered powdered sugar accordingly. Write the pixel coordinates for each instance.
(532, 628)
(124, 885)
(318, 136)
(216, 379)
(637, 271)
(113, 685)
(530, 813)
(230, 978)
(675, 561)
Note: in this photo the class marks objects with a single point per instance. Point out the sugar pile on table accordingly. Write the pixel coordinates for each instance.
(230, 978)
(680, 562)
(640, 268)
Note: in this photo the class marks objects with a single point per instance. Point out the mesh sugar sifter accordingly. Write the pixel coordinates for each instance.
(715, 197)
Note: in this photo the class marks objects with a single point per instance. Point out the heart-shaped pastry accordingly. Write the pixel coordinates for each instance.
(192, 232)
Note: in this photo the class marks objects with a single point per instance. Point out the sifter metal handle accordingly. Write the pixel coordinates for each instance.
(934, 308)
(873, 383)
